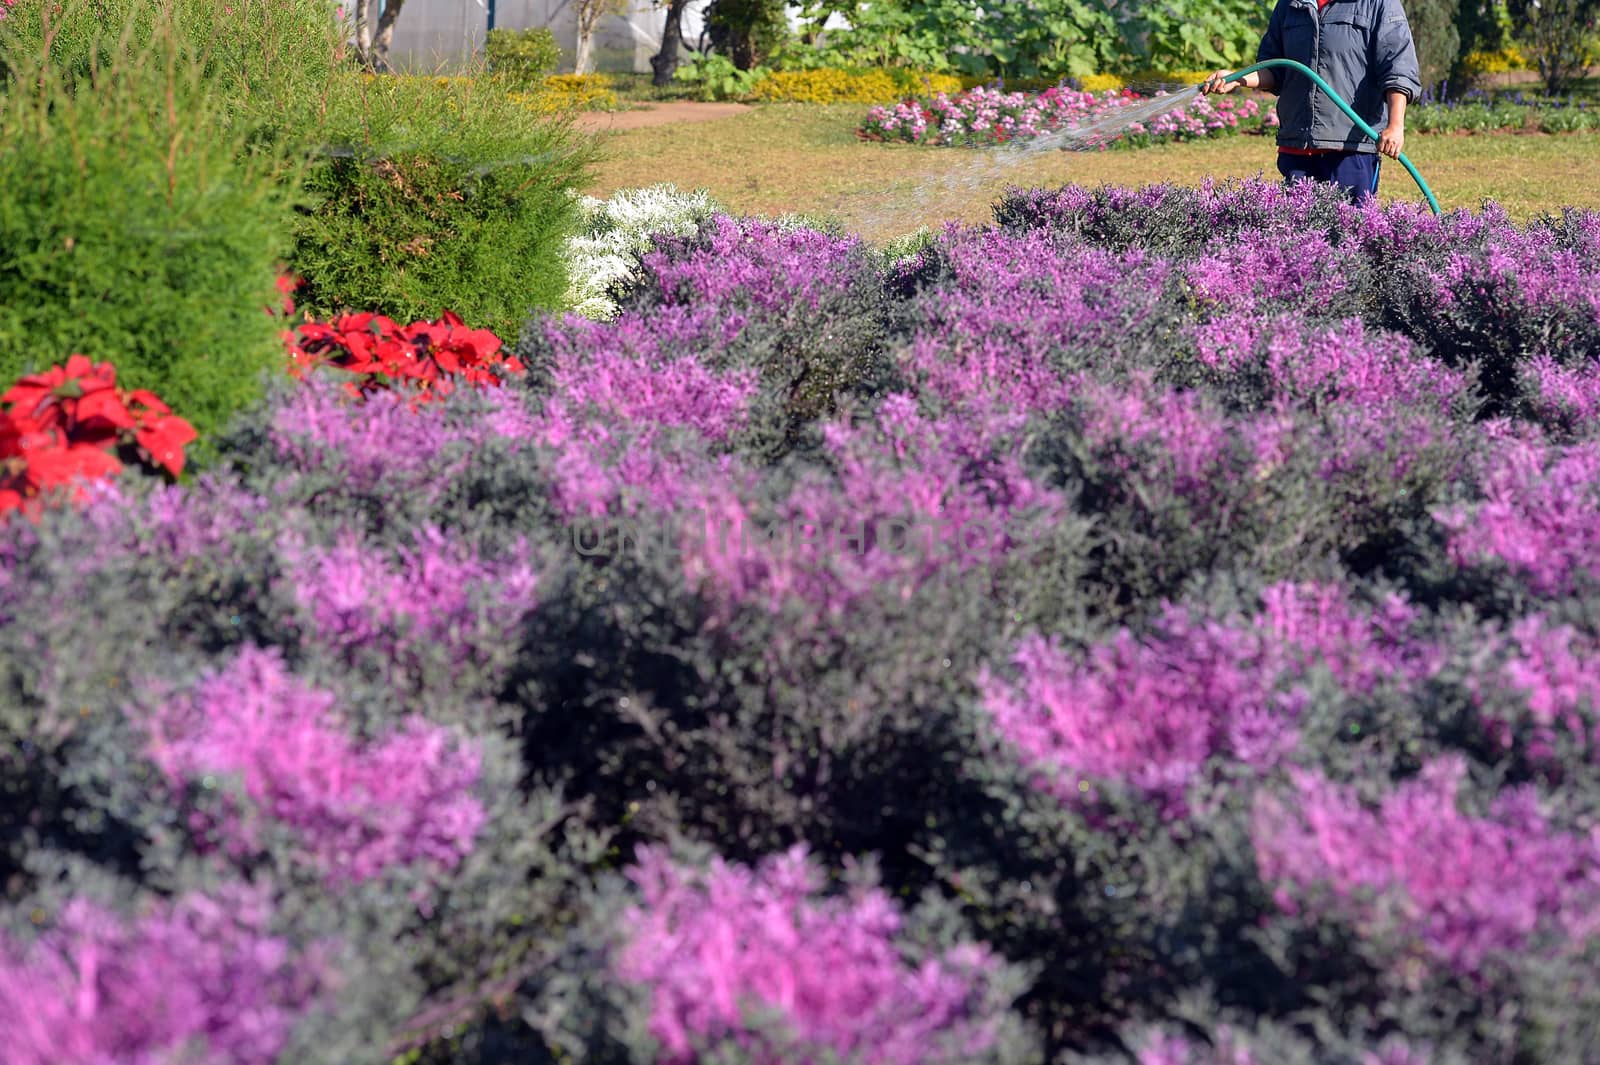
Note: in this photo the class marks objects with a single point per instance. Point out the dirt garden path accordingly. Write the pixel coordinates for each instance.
(666, 113)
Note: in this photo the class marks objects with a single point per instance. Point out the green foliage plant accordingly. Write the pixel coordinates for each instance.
(715, 77)
(522, 58)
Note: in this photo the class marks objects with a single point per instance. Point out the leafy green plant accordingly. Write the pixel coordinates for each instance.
(429, 196)
(1042, 39)
(1185, 35)
(1567, 119)
(139, 230)
(522, 58)
(715, 77)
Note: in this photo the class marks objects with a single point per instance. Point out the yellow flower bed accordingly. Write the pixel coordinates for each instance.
(1098, 82)
(1501, 62)
(1102, 82)
(559, 93)
(830, 86)
(570, 92)
(972, 81)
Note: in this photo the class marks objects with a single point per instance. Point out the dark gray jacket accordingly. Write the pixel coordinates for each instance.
(1362, 48)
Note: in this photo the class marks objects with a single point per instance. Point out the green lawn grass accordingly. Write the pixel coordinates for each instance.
(805, 158)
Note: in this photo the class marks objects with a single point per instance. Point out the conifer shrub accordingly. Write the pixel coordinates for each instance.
(137, 226)
(424, 197)
(268, 59)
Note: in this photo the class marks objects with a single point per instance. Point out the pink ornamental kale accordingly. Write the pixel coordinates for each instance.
(437, 592)
(356, 808)
(912, 496)
(1015, 302)
(637, 413)
(1568, 396)
(198, 980)
(1539, 515)
(1162, 439)
(1557, 670)
(756, 265)
(644, 369)
(712, 947)
(1462, 889)
(1229, 1047)
(381, 444)
(1285, 270)
(1362, 648)
(1226, 1049)
(1344, 364)
(1150, 713)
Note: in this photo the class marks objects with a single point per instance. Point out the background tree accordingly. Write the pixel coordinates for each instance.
(665, 62)
(590, 12)
(815, 14)
(1482, 26)
(746, 31)
(385, 35)
(1559, 36)
(372, 44)
(1434, 28)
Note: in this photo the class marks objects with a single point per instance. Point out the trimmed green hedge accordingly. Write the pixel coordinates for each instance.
(430, 195)
(138, 226)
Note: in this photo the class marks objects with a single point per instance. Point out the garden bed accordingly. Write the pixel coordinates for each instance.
(986, 115)
(1041, 641)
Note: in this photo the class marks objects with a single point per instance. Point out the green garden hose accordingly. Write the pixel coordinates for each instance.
(1346, 108)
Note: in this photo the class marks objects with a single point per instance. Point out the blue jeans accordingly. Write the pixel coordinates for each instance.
(1355, 172)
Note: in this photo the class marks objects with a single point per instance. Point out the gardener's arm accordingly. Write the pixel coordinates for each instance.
(1260, 79)
(1393, 139)
(1394, 61)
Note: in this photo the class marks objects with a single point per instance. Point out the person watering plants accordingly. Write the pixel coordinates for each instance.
(1364, 51)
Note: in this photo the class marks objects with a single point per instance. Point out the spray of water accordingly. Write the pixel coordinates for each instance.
(1113, 124)
(982, 166)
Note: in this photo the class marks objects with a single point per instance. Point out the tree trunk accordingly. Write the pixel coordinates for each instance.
(385, 36)
(364, 32)
(585, 50)
(665, 62)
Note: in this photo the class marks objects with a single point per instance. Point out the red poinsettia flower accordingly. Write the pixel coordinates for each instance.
(49, 467)
(426, 358)
(163, 439)
(287, 285)
(61, 428)
(160, 434)
(53, 398)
